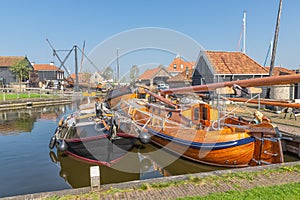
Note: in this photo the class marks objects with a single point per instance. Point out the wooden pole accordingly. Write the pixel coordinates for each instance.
(76, 70)
(275, 39)
(274, 46)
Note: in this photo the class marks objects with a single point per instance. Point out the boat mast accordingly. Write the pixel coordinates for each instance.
(76, 69)
(275, 39)
(275, 45)
(244, 32)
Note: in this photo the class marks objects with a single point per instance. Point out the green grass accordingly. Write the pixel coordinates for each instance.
(13, 96)
(287, 191)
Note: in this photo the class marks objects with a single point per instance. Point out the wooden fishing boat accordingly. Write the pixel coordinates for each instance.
(196, 130)
(115, 95)
(93, 138)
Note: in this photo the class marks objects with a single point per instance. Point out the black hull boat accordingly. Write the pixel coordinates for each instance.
(100, 150)
(102, 139)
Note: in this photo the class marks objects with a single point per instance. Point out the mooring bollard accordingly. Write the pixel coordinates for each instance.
(95, 177)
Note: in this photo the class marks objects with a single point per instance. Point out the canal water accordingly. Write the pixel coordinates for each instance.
(27, 165)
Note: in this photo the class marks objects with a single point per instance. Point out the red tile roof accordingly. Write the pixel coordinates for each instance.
(46, 67)
(8, 61)
(234, 63)
(149, 73)
(278, 71)
(177, 78)
(82, 78)
(180, 63)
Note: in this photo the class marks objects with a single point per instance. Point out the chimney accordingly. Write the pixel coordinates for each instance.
(32, 63)
(52, 63)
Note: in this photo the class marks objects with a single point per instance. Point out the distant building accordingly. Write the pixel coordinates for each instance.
(48, 72)
(220, 66)
(178, 65)
(6, 62)
(154, 76)
(280, 71)
(182, 79)
(96, 78)
(83, 79)
(283, 92)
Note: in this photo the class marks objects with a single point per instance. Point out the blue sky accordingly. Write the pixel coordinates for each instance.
(215, 24)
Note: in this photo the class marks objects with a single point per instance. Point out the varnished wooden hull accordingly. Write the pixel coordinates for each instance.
(235, 154)
(229, 146)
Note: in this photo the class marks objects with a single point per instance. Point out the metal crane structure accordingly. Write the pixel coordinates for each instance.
(75, 48)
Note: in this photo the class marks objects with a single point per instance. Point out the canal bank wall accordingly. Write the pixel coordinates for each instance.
(25, 103)
(130, 190)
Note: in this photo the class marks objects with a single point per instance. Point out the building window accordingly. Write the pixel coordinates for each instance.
(175, 66)
(181, 66)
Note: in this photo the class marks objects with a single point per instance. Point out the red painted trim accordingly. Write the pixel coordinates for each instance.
(95, 161)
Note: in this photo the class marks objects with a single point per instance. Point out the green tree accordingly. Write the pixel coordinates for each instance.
(108, 73)
(134, 72)
(21, 69)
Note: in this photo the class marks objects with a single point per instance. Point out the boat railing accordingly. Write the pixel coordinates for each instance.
(224, 113)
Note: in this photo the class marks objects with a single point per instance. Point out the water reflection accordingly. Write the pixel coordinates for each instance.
(18, 121)
(24, 138)
(142, 162)
(77, 172)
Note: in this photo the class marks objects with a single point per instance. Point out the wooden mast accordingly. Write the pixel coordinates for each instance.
(274, 45)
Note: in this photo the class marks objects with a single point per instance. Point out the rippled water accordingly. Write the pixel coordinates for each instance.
(28, 166)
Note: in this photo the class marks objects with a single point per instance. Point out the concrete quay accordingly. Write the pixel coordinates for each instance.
(25, 103)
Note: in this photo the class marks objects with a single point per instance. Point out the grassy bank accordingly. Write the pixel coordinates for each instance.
(15, 96)
(264, 184)
(286, 191)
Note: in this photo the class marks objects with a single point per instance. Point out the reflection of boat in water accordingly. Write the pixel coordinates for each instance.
(77, 173)
(95, 136)
(141, 162)
(156, 160)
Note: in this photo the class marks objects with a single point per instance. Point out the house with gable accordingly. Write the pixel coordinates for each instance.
(283, 92)
(154, 76)
(182, 79)
(179, 65)
(6, 62)
(96, 78)
(49, 74)
(221, 66)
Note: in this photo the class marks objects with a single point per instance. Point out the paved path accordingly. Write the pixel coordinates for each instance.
(206, 187)
(289, 129)
(198, 185)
